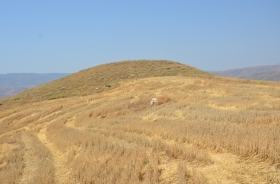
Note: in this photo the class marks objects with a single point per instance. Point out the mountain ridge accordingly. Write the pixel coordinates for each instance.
(14, 83)
(265, 72)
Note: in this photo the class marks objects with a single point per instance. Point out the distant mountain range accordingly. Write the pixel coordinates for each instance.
(14, 83)
(266, 73)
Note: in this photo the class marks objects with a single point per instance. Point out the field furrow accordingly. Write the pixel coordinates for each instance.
(59, 159)
(31, 161)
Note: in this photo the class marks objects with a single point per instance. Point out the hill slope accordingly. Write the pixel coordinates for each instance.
(268, 73)
(13, 83)
(92, 80)
(6, 91)
(202, 130)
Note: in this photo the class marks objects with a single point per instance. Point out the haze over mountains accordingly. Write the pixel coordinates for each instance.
(267, 72)
(13, 83)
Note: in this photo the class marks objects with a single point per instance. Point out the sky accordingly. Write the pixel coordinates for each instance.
(66, 36)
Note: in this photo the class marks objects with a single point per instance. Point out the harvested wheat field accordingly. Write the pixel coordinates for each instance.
(202, 129)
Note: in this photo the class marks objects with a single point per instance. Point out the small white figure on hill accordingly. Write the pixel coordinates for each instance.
(153, 101)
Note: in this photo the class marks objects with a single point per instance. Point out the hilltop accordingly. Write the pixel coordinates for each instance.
(92, 80)
(203, 129)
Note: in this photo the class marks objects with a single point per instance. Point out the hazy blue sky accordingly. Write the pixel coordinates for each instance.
(67, 36)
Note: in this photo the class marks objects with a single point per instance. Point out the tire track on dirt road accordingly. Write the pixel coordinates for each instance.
(62, 173)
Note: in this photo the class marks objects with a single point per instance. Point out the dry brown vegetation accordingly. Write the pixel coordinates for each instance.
(202, 130)
(92, 80)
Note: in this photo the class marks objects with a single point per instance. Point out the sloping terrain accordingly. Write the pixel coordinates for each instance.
(266, 73)
(203, 129)
(92, 80)
(6, 91)
(13, 83)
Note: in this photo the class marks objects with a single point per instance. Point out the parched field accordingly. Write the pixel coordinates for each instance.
(202, 130)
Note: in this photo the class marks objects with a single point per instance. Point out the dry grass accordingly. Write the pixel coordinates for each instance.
(202, 130)
(92, 80)
(11, 159)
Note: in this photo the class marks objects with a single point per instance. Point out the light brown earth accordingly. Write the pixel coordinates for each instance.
(202, 130)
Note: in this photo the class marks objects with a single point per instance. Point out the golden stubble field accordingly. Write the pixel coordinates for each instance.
(200, 131)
